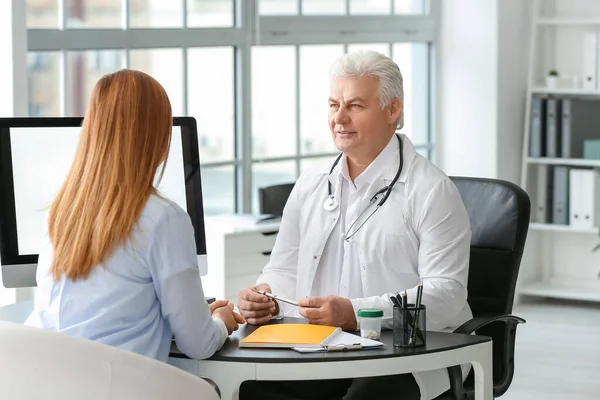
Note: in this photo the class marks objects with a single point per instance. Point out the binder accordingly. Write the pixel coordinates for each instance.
(537, 127)
(306, 337)
(543, 206)
(584, 193)
(553, 127)
(560, 196)
(580, 121)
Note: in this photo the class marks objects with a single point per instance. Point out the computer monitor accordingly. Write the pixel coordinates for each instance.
(35, 157)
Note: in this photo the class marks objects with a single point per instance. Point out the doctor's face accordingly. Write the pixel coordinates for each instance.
(359, 126)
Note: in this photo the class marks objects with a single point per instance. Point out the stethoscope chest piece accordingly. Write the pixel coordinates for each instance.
(330, 204)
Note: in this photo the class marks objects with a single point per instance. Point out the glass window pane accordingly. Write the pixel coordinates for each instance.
(42, 14)
(277, 7)
(410, 7)
(382, 48)
(413, 60)
(315, 61)
(209, 13)
(267, 174)
(211, 101)
(273, 101)
(370, 7)
(323, 7)
(155, 13)
(166, 66)
(43, 74)
(84, 69)
(218, 189)
(94, 14)
(318, 162)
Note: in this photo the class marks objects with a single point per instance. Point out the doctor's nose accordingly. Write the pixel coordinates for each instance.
(341, 116)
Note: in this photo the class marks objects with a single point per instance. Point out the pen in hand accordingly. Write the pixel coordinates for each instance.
(279, 298)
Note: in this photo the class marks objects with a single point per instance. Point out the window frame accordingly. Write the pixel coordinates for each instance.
(249, 29)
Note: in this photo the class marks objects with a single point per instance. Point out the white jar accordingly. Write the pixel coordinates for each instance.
(370, 322)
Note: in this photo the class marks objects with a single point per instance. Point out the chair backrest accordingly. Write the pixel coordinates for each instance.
(499, 212)
(40, 364)
(272, 199)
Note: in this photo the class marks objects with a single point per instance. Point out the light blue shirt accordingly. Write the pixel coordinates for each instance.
(147, 291)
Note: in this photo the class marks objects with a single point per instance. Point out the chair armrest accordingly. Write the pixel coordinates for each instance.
(479, 322)
(455, 372)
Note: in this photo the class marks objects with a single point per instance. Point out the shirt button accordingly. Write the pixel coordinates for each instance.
(364, 268)
(315, 257)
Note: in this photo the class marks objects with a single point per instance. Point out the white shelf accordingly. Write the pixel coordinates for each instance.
(569, 91)
(568, 22)
(577, 162)
(556, 290)
(536, 226)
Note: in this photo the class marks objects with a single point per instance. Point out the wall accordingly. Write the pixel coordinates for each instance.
(13, 87)
(482, 80)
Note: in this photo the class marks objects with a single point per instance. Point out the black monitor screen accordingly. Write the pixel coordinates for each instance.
(35, 157)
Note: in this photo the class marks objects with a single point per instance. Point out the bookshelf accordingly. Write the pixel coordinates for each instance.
(559, 261)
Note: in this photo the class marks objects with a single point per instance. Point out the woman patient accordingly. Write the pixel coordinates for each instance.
(118, 263)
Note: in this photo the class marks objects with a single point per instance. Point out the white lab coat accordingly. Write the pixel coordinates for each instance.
(421, 232)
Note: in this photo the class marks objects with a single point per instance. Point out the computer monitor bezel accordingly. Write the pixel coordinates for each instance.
(20, 270)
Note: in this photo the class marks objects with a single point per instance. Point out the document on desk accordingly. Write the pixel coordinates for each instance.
(306, 336)
(340, 341)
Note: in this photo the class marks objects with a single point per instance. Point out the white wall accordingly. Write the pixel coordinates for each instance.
(482, 71)
(13, 86)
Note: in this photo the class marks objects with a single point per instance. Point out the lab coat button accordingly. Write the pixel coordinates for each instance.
(364, 267)
(315, 257)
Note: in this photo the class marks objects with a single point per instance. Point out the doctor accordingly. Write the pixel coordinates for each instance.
(373, 222)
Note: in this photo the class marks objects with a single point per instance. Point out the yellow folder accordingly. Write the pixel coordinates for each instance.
(290, 335)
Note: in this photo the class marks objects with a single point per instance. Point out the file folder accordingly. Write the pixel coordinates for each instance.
(584, 196)
(543, 206)
(553, 121)
(305, 336)
(537, 142)
(560, 196)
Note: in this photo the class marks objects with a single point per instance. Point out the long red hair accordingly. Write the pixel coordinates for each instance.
(125, 138)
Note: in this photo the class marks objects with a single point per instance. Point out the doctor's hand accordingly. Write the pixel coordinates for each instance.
(328, 310)
(257, 308)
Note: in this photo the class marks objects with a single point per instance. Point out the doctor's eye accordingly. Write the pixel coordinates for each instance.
(356, 106)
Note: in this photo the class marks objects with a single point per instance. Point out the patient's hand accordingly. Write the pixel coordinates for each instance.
(224, 311)
(328, 310)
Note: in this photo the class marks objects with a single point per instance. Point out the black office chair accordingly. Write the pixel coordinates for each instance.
(272, 199)
(499, 213)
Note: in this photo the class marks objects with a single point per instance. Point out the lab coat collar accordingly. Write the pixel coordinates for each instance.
(386, 162)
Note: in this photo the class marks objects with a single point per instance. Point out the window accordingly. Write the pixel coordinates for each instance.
(257, 84)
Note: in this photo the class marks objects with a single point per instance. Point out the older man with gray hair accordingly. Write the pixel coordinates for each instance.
(377, 220)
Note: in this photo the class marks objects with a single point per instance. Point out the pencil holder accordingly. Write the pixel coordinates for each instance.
(409, 326)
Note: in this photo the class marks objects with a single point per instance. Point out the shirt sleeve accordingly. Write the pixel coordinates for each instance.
(281, 271)
(174, 267)
(444, 232)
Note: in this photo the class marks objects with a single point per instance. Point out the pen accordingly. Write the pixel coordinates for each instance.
(417, 306)
(395, 301)
(274, 296)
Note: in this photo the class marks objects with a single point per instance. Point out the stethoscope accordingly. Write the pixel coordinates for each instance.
(331, 203)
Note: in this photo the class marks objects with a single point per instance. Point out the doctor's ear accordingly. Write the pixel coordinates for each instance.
(395, 109)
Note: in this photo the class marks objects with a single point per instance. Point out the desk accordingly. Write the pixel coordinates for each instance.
(231, 366)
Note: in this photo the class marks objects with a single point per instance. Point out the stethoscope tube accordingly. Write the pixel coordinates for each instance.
(331, 203)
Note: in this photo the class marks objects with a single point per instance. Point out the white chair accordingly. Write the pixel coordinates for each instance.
(40, 364)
